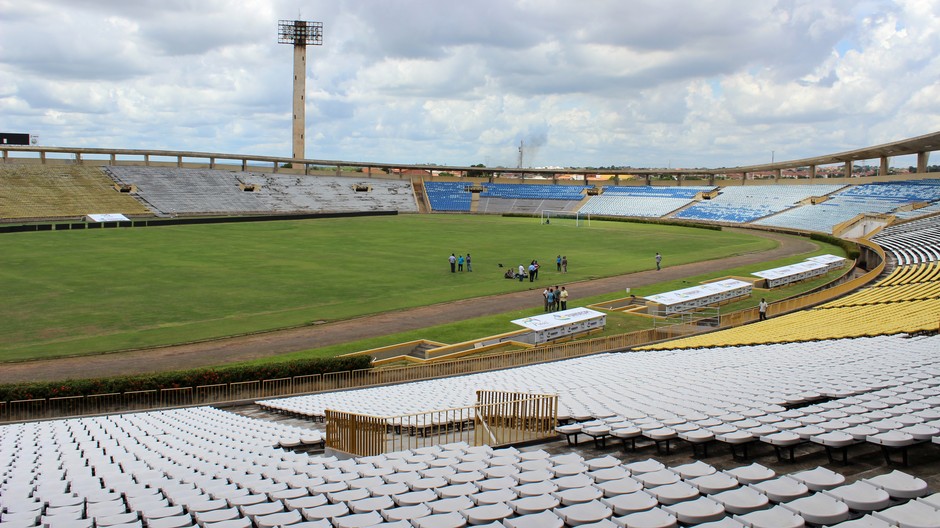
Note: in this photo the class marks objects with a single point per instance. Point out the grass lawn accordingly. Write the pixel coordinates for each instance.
(93, 291)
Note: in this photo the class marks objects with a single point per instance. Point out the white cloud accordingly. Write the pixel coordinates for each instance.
(640, 83)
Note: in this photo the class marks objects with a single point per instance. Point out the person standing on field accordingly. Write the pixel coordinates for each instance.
(469, 268)
(564, 264)
(558, 262)
(460, 263)
(564, 298)
(762, 310)
(453, 263)
(659, 261)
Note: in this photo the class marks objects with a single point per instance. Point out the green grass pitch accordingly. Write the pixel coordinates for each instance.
(93, 291)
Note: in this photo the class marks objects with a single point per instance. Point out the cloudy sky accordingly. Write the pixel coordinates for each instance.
(642, 83)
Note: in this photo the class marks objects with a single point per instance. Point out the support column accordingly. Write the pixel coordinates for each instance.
(922, 158)
(300, 88)
(848, 170)
(883, 170)
(812, 172)
(777, 174)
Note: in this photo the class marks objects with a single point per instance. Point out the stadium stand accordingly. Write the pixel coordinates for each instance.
(172, 192)
(914, 242)
(750, 202)
(531, 191)
(68, 191)
(908, 300)
(333, 194)
(650, 202)
(201, 466)
(504, 197)
(855, 200)
(447, 196)
(855, 371)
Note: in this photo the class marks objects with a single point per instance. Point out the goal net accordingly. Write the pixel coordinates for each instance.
(565, 218)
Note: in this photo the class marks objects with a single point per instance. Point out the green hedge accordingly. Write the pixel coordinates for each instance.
(184, 378)
(851, 248)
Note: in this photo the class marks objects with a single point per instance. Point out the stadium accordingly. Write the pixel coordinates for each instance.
(685, 409)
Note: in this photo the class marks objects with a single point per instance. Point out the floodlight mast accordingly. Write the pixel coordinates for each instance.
(300, 33)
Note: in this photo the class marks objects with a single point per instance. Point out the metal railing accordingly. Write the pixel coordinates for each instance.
(497, 419)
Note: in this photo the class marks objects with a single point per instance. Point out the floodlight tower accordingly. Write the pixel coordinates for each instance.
(300, 33)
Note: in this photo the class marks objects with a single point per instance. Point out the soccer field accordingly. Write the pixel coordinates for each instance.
(92, 291)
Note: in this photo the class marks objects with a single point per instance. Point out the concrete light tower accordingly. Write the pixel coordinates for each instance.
(300, 33)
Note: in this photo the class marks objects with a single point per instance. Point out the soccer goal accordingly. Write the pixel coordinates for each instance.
(565, 218)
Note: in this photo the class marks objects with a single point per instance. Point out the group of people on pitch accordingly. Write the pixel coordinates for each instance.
(555, 298)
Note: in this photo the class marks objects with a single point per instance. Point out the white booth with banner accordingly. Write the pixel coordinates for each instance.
(700, 296)
(564, 323)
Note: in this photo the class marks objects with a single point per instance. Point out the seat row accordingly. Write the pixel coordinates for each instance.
(456, 485)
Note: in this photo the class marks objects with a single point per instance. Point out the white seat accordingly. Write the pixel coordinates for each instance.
(657, 478)
(443, 520)
(693, 469)
(493, 497)
(578, 495)
(644, 466)
(819, 478)
(327, 511)
(534, 504)
(487, 513)
(606, 474)
(453, 504)
(407, 513)
(697, 511)
(899, 485)
(584, 513)
(741, 500)
(782, 489)
(414, 497)
(751, 474)
(861, 496)
(913, 514)
(819, 509)
(776, 517)
(673, 493)
(535, 488)
(655, 518)
(262, 508)
(612, 488)
(573, 481)
(381, 502)
(714, 483)
(178, 521)
(630, 502)
(544, 519)
(214, 516)
(305, 502)
(357, 520)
